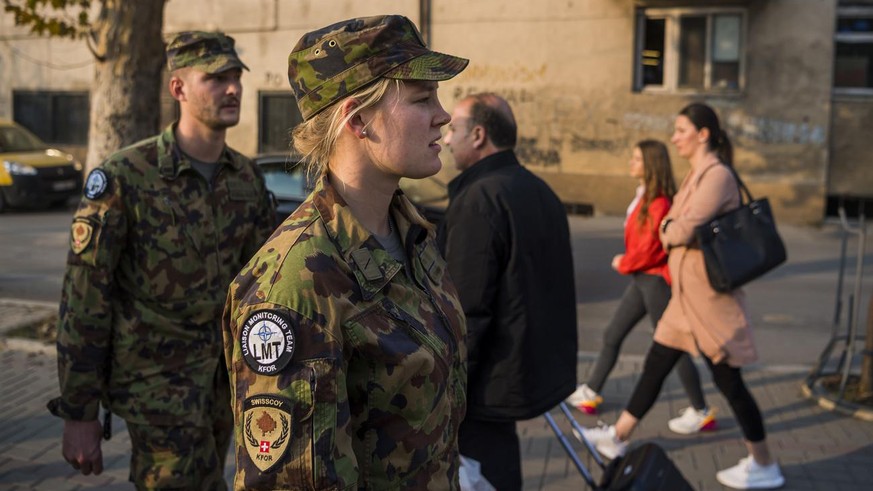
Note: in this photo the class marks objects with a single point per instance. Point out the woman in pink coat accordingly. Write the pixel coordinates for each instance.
(699, 320)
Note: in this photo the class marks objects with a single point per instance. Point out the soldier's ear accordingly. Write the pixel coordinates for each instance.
(355, 123)
(177, 88)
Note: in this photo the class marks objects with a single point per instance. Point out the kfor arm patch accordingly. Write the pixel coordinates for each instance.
(81, 233)
(267, 341)
(96, 184)
(266, 429)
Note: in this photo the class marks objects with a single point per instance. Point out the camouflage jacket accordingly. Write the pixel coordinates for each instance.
(347, 368)
(153, 248)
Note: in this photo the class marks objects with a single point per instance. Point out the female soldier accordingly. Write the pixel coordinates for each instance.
(344, 333)
(699, 319)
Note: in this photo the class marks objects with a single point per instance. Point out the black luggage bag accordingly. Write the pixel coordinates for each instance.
(644, 468)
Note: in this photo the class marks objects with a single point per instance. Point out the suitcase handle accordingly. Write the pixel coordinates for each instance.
(576, 426)
(572, 453)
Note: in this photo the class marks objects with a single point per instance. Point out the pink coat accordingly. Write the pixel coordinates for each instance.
(698, 318)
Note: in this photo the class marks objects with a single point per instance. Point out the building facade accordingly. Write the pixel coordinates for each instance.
(791, 79)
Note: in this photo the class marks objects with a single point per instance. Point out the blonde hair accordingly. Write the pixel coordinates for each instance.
(316, 139)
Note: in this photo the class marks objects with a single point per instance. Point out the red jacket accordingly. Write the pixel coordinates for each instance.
(643, 252)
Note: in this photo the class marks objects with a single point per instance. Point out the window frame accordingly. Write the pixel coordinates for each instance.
(851, 37)
(672, 32)
(263, 100)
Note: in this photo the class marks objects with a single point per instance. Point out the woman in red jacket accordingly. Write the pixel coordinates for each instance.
(649, 290)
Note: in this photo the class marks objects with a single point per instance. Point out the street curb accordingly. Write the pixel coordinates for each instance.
(34, 311)
(28, 346)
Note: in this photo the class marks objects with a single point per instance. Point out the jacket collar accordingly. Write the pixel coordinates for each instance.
(172, 161)
(710, 162)
(491, 163)
(372, 265)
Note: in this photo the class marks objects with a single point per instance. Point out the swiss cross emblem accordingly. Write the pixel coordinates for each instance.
(265, 446)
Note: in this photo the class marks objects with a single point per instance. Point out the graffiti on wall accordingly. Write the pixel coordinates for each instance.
(532, 152)
(513, 96)
(517, 73)
(758, 129)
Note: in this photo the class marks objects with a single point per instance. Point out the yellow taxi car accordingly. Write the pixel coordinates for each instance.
(33, 175)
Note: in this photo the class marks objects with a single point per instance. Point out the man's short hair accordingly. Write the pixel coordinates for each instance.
(498, 121)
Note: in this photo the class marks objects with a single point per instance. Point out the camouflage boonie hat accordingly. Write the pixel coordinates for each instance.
(335, 61)
(212, 52)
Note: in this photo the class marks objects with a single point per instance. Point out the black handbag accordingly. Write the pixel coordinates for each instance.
(742, 244)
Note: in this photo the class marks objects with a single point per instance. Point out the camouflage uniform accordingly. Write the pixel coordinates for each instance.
(153, 248)
(365, 385)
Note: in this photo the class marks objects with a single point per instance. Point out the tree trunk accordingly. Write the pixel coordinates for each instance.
(125, 98)
(866, 385)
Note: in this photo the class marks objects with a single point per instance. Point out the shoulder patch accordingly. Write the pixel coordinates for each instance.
(267, 341)
(96, 184)
(266, 428)
(80, 235)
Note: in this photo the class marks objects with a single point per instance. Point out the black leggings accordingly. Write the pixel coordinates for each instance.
(661, 359)
(646, 294)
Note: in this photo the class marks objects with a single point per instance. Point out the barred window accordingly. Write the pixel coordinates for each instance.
(278, 115)
(57, 117)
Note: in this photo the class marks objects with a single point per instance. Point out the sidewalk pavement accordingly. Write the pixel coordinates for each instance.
(791, 310)
(818, 449)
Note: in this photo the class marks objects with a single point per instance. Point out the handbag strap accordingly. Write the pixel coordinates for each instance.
(741, 186)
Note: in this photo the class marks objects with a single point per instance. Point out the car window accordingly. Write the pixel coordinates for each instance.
(16, 139)
(285, 183)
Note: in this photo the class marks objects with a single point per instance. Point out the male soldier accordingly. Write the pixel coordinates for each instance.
(507, 244)
(162, 229)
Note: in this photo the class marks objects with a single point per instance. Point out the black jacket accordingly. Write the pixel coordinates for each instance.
(507, 243)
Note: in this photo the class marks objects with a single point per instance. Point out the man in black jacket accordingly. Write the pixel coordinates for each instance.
(507, 243)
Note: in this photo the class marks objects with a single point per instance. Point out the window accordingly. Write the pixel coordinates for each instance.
(696, 50)
(278, 116)
(55, 117)
(853, 60)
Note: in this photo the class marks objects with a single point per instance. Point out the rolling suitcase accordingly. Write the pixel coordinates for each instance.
(644, 468)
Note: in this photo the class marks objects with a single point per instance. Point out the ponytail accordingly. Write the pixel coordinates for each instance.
(703, 116)
(724, 149)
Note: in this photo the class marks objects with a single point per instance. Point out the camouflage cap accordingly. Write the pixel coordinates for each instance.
(212, 52)
(329, 64)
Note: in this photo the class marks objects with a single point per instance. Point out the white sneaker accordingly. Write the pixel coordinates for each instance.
(604, 440)
(693, 421)
(748, 474)
(585, 399)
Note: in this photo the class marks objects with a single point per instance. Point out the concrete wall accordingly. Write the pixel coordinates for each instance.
(566, 66)
(850, 171)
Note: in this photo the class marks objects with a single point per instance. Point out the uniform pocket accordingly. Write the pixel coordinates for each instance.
(288, 432)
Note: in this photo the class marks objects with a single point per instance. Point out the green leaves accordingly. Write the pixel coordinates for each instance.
(57, 18)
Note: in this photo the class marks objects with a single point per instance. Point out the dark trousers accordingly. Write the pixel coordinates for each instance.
(646, 294)
(496, 447)
(728, 379)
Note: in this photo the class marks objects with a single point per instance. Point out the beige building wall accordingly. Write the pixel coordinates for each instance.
(565, 66)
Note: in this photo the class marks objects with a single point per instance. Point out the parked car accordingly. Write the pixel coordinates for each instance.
(34, 175)
(286, 178)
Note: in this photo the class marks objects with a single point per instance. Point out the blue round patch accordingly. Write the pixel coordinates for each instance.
(96, 184)
(267, 341)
